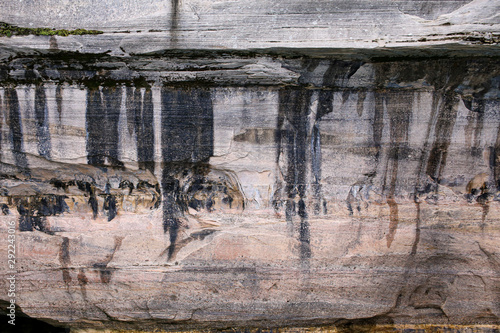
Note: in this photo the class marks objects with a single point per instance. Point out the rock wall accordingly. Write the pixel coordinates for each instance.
(208, 188)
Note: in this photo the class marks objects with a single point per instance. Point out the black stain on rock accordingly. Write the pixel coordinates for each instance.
(399, 108)
(83, 281)
(66, 276)
(109, 198)
(127, 184)
(106, 273)
(478, 132)
(34, 210)
(59, 102)
(299, 140)
(294, 112)
(146, 158)
(446, 118)
(140, 119)
(360, 102)
(187, 125)
(378, 127)
(187, 144)
(14, 120)
(451, 81)
(110, 206)
(90, 190)
(494, 161)
(339, 72)
(42, 122)
(132, 104)
(102, 116)
(173, 249)
(174, 23)
(316, 169)
(112, 97)
(94, 206)
(65, 260)
(95, 131)
(418, 223)
(5, 209)
(64, 257)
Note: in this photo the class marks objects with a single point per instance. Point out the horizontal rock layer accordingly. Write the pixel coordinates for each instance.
(139, 27)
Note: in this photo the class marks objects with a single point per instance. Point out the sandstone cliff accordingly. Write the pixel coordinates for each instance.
(228, 164)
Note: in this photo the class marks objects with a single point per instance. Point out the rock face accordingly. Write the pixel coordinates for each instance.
(180, 179)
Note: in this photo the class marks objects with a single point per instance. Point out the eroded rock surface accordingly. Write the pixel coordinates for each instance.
(197, 187)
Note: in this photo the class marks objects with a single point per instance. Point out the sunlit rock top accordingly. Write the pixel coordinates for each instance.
(133, 27)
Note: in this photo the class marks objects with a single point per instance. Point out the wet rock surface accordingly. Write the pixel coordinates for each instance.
(197, 187)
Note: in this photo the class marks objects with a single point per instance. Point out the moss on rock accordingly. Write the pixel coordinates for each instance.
(12, 30)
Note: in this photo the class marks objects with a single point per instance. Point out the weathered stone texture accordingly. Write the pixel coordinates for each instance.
(215, 186)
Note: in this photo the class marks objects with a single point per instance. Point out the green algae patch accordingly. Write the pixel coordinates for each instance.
(8, 30)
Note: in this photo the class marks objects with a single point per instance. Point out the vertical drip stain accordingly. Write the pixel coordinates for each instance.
(294, 105)
(360, 102)
(29, 220)
(59, 99)
(378, 126)
(174, 22)
(469, 129)
(145, 134)
(83, 281)
(110, 206)
(325, 106)
(106, 273)
(486, 209)
(42, 123)
(325, 103)
(187, 141)
(137, 114)
(93, 201)
(297, 145)
(140, 121)
(33, 211)
(102, 116)
(422, 185)
(65, 260)
(187, 125)
(131, 106)
(399, 108)
(316, 168)
(445, 122)
(16, 133)
(478, 132)
(64, 252)
(94, 121)
(112, 98)
(418, 223)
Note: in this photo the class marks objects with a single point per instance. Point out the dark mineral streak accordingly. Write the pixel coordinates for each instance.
(399, 108)
(187, 141)
(140, 119)
(294, 112)
(14, 120)
(42, 122)
(103, 113)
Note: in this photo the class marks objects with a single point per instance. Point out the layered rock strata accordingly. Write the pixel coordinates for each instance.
(197, 187)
